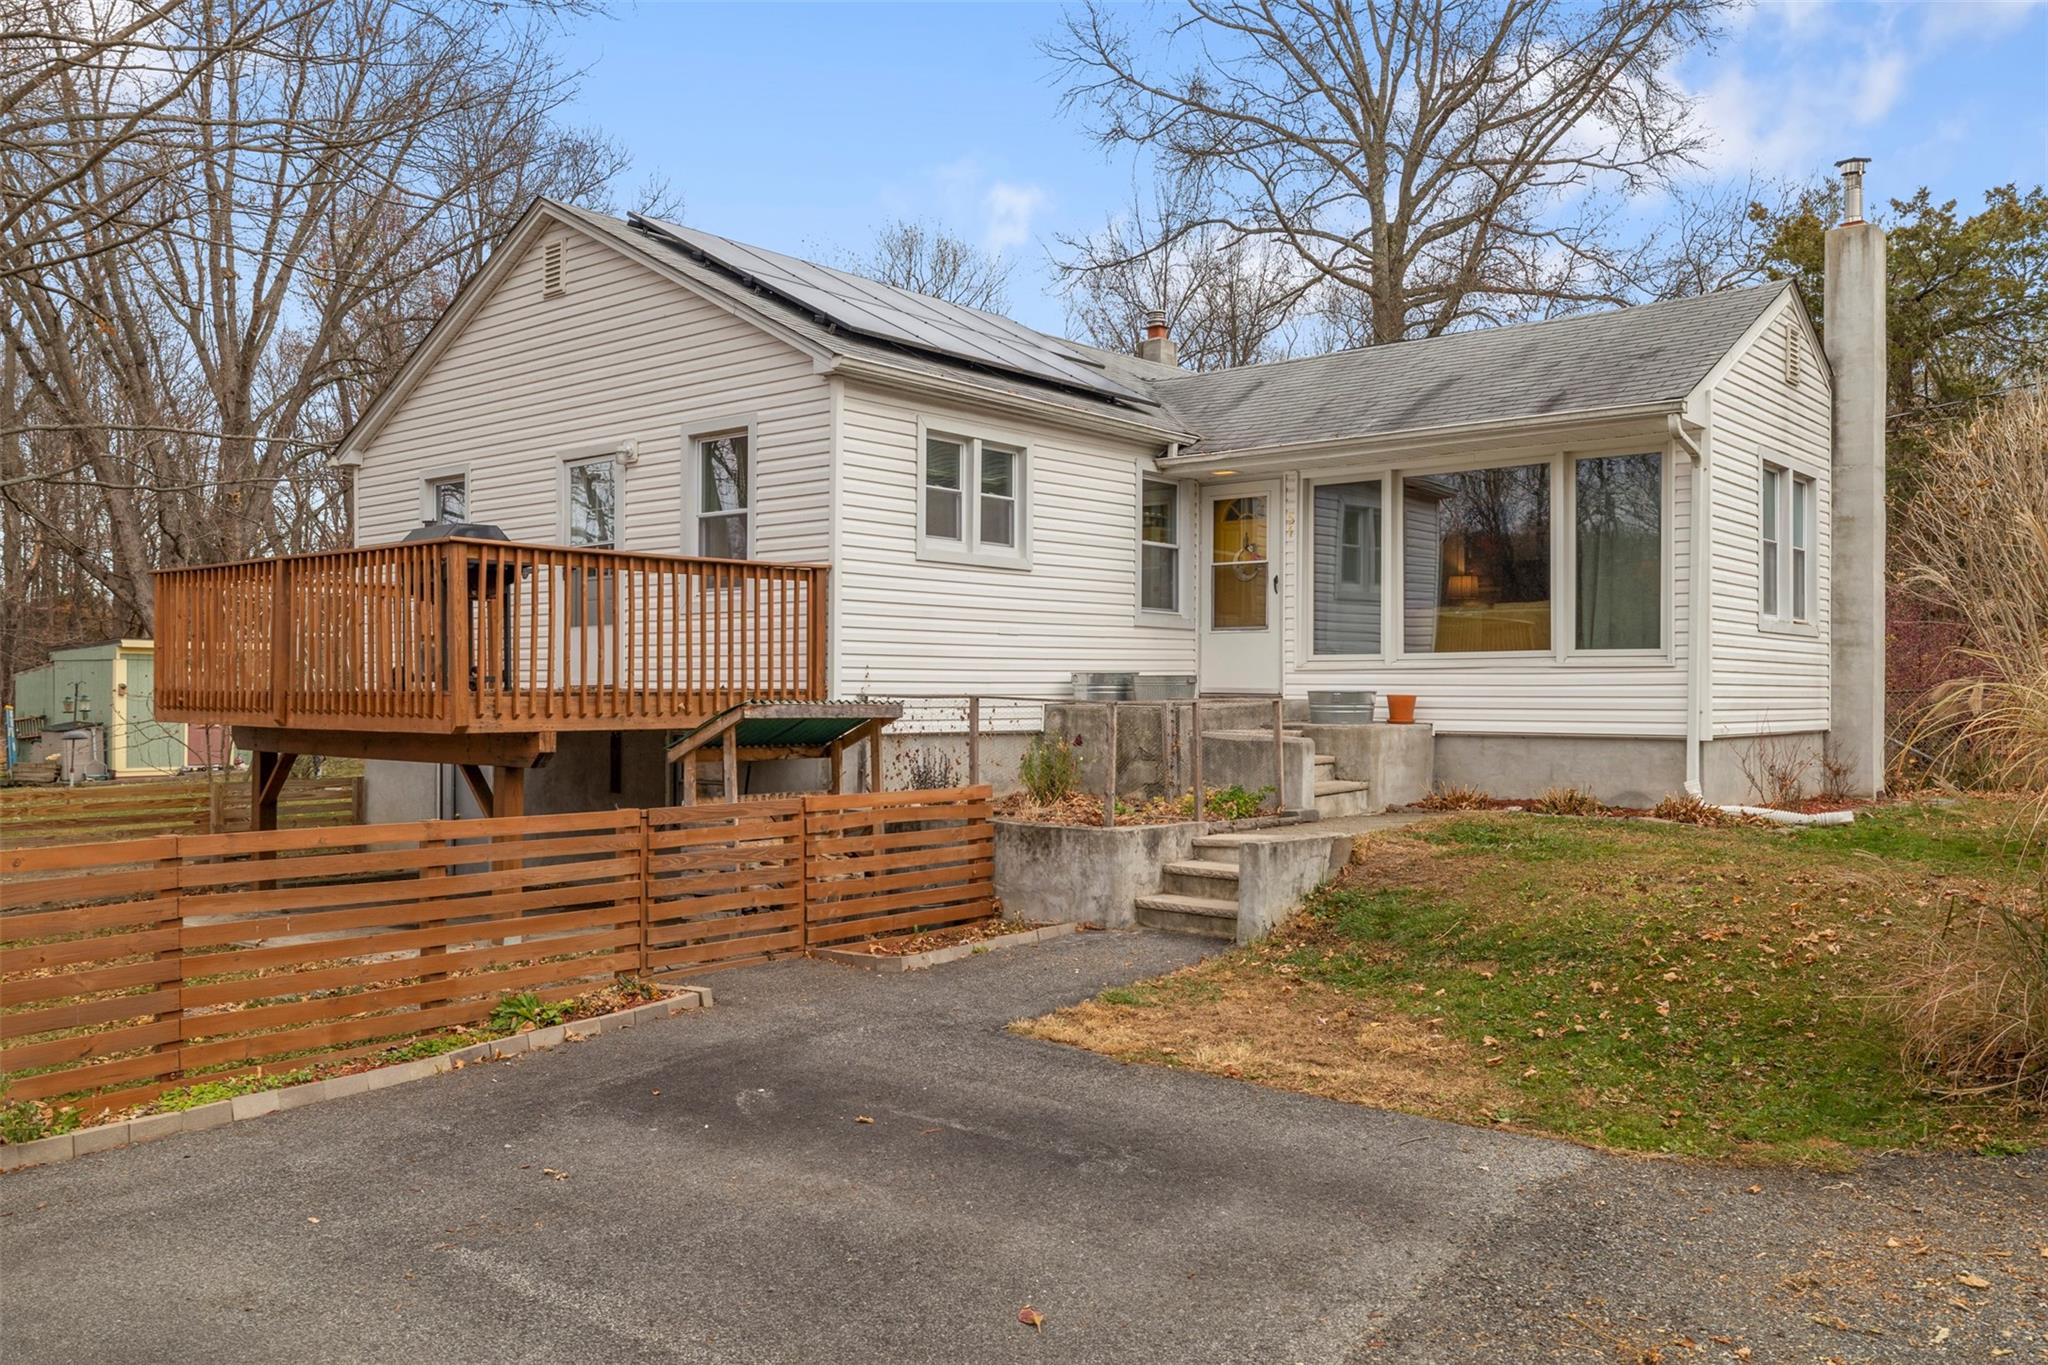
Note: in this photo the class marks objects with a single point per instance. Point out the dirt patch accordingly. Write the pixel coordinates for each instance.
(1078, 808)
(908, 945)
(1233, 1021)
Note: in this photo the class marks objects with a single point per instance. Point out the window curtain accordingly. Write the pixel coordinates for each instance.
(1620, 590)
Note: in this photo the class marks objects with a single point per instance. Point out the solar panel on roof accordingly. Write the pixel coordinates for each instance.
(898, 315)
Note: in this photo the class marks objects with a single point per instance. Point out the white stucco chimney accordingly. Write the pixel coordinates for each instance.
(1156, 344)
(1854, 336)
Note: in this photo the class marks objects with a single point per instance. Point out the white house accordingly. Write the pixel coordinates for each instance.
(1612, 549)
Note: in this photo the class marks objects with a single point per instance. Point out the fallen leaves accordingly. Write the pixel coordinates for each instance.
(1031, 1318)
(1970, 1281)
(553, 1174)
(862, 1118)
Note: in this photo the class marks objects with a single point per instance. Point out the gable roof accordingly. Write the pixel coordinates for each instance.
(1590, 362)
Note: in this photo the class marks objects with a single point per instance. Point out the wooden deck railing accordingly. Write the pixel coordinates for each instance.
(474, 635)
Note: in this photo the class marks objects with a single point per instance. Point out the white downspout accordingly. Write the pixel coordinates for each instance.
(1699, 564)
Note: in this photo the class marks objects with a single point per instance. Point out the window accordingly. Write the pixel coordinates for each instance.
(1159, 546)
(1238, 563)
(998, 497)
(1476, 560)
(722, 496)
(1785, 540)
(1618, 529)
(448, 498)
(591, 505)
(1344, 567)
(973, 501)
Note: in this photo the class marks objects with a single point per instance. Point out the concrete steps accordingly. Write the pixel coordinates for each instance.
(1189, 914)
(1335, 799)
(1200, 878)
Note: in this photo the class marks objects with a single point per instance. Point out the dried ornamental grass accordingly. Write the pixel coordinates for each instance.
(1972, 1004)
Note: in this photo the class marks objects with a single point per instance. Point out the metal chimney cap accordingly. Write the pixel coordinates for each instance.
(1155, 323)
(1852, 168)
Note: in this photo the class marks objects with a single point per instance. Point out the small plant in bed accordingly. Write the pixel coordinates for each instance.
(526, 1011)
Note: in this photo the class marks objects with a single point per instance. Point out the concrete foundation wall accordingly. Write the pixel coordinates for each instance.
(1074, 874)
(1621, 772)
(1739, 771)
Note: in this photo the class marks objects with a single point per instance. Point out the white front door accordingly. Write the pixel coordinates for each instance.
(1241, 588)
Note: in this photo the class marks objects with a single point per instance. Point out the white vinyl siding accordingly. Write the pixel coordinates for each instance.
(908, 630)
(1768, 680)
(625, 354)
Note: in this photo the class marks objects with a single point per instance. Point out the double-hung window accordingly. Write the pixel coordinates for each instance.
(1158, 546)
(723, 496)
(972, 500)
(1785, 541)
(590, 501)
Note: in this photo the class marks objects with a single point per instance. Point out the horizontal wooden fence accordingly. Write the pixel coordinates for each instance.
(130, 810)
(130, 967)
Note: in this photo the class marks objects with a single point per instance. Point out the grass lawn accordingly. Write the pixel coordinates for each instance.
(1634, 985)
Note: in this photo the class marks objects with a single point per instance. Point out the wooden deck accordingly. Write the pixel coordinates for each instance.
(474, 637)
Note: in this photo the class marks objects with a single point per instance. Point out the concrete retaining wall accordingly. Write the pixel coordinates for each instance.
(1273, 877)
(1077, 874)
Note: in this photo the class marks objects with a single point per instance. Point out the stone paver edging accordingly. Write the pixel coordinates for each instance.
(912, 962)
(108, 1136)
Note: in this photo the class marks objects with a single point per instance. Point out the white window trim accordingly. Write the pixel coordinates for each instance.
(1783, 622)
(699, 429)
(1565, 585)
(1183, 614)
(969, 549)
(1306, 578)
(443, 474)
(584, 454)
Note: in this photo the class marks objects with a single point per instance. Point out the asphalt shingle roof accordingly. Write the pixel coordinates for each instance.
(1585, 363)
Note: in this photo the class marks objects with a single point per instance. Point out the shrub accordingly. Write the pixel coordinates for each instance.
(1451, 796)
(27, 1120)
(1050, 770)
(525, 1010)
(1566, 801)
(1972, 1005)
(1235, 803)
(929, 770)
(1688, 809)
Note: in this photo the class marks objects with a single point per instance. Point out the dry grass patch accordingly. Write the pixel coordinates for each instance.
(1228, 1018)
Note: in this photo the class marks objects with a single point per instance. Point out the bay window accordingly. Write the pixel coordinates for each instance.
(972, 500)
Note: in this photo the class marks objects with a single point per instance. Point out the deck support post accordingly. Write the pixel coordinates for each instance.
(729, 763)
(267, 773)
(874, 758)
(508, 792)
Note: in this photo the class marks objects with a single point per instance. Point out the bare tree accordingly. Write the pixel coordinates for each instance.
(1447, 161)
(299, 211)
(929, 260)
(1228, 300)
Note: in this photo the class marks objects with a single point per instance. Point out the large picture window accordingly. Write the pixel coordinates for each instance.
(1345, 548)
(972, 501)
(1159, 547)
(1476, 560)
(1618, 527)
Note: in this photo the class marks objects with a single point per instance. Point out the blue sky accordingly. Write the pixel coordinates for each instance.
(805, 127)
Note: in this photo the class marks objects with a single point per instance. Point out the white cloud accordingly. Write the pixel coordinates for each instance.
(1009, 209)
(1883, 81)
(1976, 20)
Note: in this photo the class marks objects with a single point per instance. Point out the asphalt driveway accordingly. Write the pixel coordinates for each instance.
(704, 1189)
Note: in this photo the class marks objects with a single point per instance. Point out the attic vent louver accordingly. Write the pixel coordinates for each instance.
(551, 276)
(1792, 351)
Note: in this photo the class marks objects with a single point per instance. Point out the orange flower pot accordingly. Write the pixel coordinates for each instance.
(1401, 708)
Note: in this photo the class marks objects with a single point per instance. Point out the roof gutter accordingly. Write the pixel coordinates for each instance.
(859, 367)
(1398, 441)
